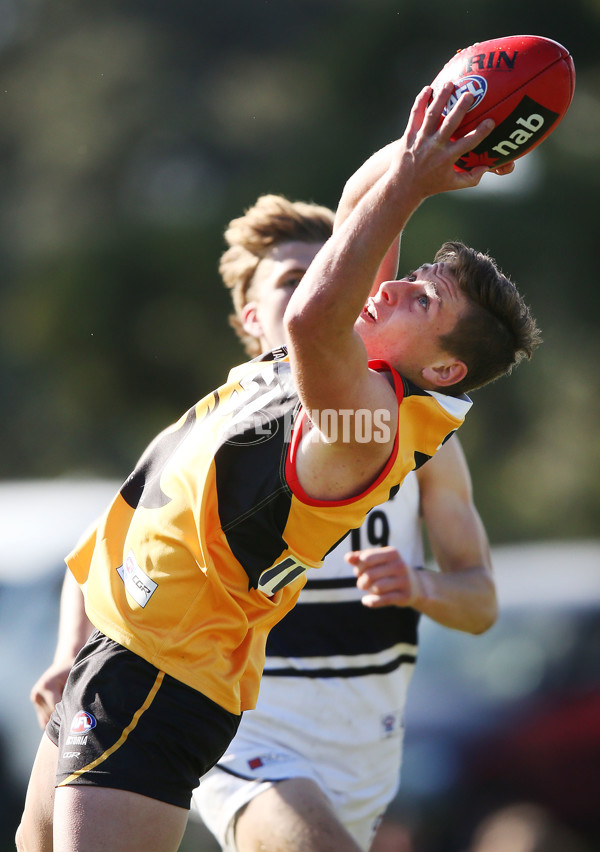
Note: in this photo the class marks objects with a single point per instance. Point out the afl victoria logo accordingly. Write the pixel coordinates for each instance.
(472, 83)
(82, 723)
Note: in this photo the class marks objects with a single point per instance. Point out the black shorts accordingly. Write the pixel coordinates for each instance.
(123, 723)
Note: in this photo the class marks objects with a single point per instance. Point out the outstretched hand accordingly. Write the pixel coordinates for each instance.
(428, 149)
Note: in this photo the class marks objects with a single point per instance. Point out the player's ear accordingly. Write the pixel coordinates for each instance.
(250, 322)
(445, 375)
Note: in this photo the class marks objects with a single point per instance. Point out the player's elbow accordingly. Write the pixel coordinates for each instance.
(19, 841)
(301, 327)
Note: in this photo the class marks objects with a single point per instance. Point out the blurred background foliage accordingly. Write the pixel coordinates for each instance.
(132, 132)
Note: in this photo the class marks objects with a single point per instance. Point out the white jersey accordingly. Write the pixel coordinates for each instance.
(333, 692)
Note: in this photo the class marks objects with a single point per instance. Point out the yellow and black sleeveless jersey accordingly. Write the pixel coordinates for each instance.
(206, 545)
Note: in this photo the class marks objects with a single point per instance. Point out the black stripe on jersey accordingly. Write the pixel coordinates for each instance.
(349, 671)
(347, 628)
(254, 498)
(333, 583)
(393, 491)
(411, 389)
(420, 459)
(253, 503)
(142, 487)
(337, 543)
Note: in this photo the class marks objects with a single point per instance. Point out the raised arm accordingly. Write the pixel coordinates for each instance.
(356, 187)
(354, 190)
(328, 357)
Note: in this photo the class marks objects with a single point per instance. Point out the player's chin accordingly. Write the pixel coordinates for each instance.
(363, 324)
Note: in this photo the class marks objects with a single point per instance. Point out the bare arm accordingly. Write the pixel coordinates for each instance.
(327, 356)
(354, 190)
(356, 187)
(73, 630)
(462, 595)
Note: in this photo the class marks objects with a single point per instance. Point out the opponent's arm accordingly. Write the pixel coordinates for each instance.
(462, 595)
(73, 630)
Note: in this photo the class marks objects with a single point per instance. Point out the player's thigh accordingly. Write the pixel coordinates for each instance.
(99, 819)
(35, 831)
(292, 816)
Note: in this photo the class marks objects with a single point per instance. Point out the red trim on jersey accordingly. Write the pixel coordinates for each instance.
(292, 454)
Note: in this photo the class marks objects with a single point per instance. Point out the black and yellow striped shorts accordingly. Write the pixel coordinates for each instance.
(125, 724)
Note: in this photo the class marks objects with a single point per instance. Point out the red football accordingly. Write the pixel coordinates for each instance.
(525, 83)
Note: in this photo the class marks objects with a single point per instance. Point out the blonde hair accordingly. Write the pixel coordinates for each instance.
(272, 220)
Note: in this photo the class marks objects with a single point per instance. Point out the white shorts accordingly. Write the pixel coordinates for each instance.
(222, 795)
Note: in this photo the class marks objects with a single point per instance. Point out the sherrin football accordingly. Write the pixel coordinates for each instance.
(525, 83)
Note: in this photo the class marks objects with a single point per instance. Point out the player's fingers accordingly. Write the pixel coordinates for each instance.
(474, 137)
(48, 690)
(43, 710)
(384, 582)
(43, 716)
(454, 117)
(374, 601)
(373, 556)
(506, 169)
(467, 179)
(417, 113)
(434, 115)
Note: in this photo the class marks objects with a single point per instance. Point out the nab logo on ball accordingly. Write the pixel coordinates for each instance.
(474, 84)
(82, 723)
(516, 135)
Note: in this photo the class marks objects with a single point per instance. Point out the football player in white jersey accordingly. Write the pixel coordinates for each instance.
(314, 766)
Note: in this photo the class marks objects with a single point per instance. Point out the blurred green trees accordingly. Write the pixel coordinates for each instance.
(132, 132)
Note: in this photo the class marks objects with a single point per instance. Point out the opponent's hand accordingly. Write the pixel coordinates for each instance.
(385, 578)
(48, 690)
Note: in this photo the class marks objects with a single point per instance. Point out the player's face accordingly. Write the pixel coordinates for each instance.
(275, 279)
(405, 319)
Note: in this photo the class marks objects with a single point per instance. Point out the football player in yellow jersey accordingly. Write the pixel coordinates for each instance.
(424, 327)
(270, 248)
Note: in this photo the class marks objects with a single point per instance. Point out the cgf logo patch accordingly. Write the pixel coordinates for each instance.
(137, 582)
(82, 722)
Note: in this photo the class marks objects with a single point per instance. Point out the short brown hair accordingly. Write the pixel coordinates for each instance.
(498, 330)
(273, 219)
